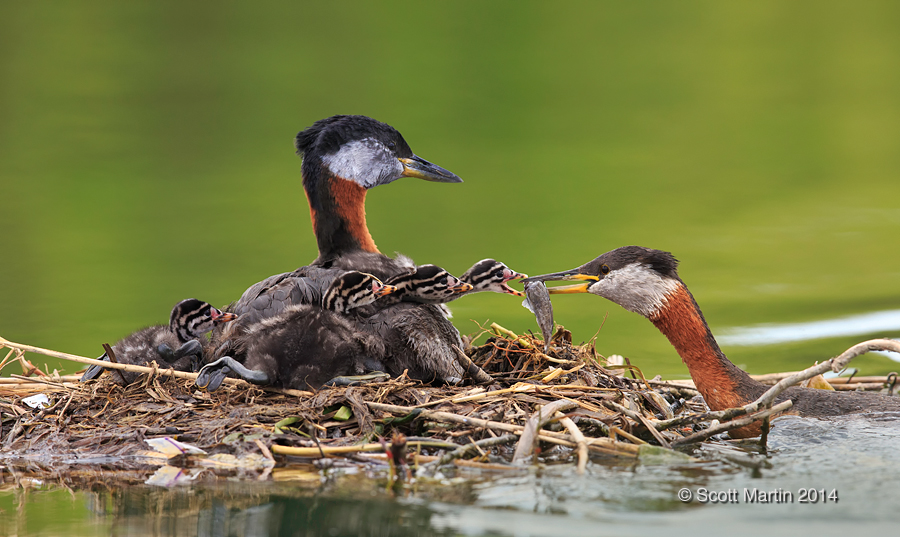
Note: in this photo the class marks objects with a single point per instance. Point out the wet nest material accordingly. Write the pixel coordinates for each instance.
(565, 405)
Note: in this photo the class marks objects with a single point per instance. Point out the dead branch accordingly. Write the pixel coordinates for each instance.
(525, 447)
(580, 440)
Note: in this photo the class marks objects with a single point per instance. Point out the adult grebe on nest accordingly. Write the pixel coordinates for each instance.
(343, 157)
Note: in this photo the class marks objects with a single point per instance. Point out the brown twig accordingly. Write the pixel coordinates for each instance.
(475, 373)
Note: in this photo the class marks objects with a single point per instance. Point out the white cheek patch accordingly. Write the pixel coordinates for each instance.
(637, 288)
(366, 162)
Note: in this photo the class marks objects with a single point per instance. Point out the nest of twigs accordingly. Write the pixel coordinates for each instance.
(564, 404)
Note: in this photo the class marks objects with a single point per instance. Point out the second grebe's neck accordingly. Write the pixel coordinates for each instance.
(722, 384)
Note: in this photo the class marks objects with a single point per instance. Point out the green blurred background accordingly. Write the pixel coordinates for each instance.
(146, 156)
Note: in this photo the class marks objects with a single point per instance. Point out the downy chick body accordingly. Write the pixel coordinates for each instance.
(176, 345)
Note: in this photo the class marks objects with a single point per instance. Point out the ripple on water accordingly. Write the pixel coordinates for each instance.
(856, 455)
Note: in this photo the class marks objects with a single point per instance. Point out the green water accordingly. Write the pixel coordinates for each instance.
(146, 156)
(846, 459)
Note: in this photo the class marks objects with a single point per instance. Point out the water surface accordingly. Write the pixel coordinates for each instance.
(146, 156)
(845, 458)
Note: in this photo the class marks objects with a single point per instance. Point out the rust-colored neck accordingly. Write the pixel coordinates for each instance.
(722, 384)
(337, 208)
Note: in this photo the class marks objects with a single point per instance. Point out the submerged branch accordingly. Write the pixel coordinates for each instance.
(431, 467)
(733, 424)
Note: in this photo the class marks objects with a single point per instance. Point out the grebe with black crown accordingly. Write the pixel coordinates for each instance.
(646, 281)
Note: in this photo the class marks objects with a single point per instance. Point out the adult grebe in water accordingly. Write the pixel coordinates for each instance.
(646, 281)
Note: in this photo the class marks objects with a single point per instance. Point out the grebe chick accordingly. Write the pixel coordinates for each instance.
(429, 284)
(490, 275)
(305, 345)
(646, 281)
(419, 338)
(173, 346)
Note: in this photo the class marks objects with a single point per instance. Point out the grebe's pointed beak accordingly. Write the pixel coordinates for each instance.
(219, 316)
(569, 289)
(422, 169)
(512, 275)
(510, 291)
(462, 287)
(566, 275)
(383, 289)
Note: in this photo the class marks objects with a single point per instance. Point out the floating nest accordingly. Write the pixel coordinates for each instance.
(556, 406)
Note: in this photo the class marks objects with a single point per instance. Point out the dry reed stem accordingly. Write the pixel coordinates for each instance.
(92, 361)
(512, 336)
(124, 367)
(656, 434)
(629, 436)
